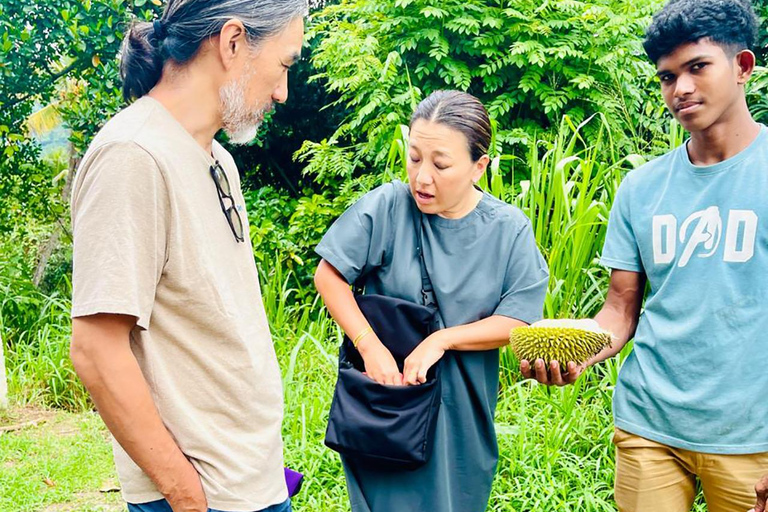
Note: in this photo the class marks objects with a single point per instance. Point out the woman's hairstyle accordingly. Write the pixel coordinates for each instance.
(185, 24)
(730, 23)
(460, 111)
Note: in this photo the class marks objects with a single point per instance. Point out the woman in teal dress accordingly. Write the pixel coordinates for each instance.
(488, 276)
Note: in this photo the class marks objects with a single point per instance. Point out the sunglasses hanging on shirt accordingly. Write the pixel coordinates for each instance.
(225, 193)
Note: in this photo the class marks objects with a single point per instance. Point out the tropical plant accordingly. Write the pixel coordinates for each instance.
(530, 62)
(41, 44)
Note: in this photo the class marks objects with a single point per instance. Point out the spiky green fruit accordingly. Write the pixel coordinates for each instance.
(561, 344)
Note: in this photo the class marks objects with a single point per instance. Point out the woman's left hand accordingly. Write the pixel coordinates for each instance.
(423, 358)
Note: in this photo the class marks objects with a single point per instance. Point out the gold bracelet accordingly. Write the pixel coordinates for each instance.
(368, 330)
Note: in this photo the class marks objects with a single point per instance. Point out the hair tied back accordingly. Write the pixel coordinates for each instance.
(159, 29)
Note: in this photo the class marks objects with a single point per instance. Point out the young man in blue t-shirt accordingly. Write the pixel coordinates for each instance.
(689, 402)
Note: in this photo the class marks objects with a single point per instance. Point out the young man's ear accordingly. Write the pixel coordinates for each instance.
(745, 60)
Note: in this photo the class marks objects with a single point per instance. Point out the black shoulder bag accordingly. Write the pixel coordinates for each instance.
(392, 426)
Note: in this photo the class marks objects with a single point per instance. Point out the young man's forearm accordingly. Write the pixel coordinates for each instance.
(621, 311)
(103, 359)
(622, 329)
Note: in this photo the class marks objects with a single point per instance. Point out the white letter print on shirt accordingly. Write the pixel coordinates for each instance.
(737, 219)
(707, 232)
(664, 238)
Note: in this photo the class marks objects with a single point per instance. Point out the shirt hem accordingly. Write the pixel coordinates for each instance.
(685, 445)
(230, 506)
(528, 319)
(335, 261)
(112, 308)
(621, 265)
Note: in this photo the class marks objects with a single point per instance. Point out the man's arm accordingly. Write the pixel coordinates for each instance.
(621, 311)
(102, 357)
(619, 316)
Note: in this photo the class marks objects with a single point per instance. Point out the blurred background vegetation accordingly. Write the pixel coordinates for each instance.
(575, 106)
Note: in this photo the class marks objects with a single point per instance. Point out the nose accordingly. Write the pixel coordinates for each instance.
(280, 94)
(684, 85)
(424, 176)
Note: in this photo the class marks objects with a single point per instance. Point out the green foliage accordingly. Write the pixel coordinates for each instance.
(40, 44)
(568, 198)
(756, 94)
(761, 9)
(287, 229)
(530, 62)
(35, 328)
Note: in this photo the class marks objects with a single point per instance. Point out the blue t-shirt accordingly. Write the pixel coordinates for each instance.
(698, 375)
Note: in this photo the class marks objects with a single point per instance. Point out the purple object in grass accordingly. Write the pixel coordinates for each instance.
(293, 481)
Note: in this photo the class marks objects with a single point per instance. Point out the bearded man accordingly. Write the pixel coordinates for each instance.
(169, 332)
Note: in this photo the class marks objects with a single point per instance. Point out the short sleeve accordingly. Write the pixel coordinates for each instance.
(525, 279)
(120, 221)
(360, 240)
(620, 250)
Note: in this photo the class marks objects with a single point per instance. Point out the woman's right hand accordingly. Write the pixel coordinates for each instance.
(379, 363)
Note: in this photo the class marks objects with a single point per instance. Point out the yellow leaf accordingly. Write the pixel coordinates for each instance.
(44, 120)
(157, 2)
(96, 61)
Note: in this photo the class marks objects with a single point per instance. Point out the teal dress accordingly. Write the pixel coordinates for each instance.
(483, 264)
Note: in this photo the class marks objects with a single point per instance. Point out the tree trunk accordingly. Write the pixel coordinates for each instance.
(53, 241)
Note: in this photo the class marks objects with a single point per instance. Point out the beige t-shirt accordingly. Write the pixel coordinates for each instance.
(151, 241)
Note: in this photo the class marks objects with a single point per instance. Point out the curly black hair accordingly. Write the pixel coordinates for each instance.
(729, 23)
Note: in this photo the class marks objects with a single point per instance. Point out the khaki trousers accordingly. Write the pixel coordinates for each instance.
(653, 477)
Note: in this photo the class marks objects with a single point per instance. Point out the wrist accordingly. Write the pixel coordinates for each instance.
(367, 343)
(177, 479)
(441, 339)
(362, 334)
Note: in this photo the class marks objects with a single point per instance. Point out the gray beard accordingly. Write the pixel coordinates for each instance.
(240, 123)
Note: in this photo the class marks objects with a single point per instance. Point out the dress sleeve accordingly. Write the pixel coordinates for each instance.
(525, 279)
(361, 239)
(620, 250)
(120, 221)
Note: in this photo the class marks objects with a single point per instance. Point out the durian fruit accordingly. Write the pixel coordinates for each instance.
(561, 344)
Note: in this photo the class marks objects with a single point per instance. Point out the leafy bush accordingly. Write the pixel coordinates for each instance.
(35, 330)
(40, 44)
(530, 62)
(287, 229)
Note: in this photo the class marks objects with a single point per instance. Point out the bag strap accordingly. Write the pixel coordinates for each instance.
(427, 291)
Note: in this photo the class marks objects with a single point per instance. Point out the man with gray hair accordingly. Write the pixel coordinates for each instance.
(169, 332)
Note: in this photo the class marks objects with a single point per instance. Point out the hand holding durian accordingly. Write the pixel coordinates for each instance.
(546, 346)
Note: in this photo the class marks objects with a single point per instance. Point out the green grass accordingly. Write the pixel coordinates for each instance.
(61, 464)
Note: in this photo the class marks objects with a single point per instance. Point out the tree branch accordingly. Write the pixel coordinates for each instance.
(52, 80)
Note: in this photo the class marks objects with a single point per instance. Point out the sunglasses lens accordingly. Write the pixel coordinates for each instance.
(221, 179)
(234, 220)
